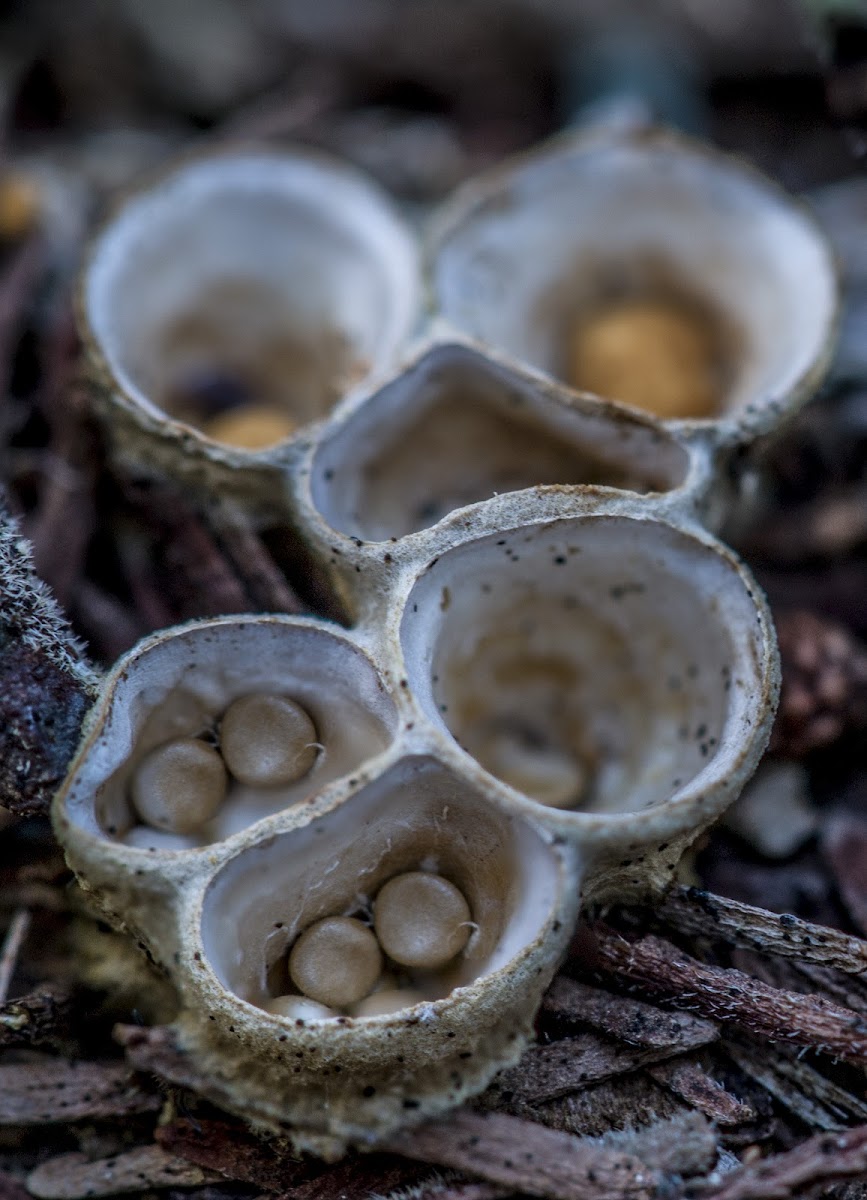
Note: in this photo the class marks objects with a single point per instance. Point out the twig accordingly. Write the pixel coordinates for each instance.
(285, 111)
(844, 846)
(688, 1079)
(730, 996)
(61, 528)
(760, 1064)
(34, 894)
(12, 943)
(17, 284)
(210, 587)
(252, 562)
(629, 1020)
(836, 589)
(461, 1191)
(214, 589)
(786, 1064)
(546, 1072)
(846, 91)
(11, 1189)
(611, 1104)
(154, 1048)
(850, 991)
(136, 558)
(231, 1149)
(830, 526)
(298, 563)
(111, 626)
(818, 1160)
(63, 524)
(71, 1176)
(693, 911)
(43, 1093)
(43, 1017)
(684, 1144)
(360, 1177)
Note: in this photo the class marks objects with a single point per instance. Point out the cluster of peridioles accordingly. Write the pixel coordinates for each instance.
(262, 740)
(421, 922)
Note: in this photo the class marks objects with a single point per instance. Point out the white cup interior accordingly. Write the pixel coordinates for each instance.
(286, 273)
(417, 816)
(180, 685)
(456, 429)
(622, 646)
(522, 254)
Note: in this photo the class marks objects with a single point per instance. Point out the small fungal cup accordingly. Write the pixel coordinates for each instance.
(651, 256)
(456, 428)
(617, 671)
(154, 759)
(361, 1075)
(236, 298)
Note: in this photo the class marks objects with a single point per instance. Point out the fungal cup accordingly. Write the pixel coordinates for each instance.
(178, 685)
(523, 257)
(556, 677)
(235, 299)
(615, 669)
(456, 428)
(364, 1075)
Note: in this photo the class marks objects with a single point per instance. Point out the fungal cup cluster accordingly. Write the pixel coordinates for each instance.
(359, 852)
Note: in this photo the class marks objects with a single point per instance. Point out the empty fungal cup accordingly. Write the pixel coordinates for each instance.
(604, 665)
(244, 293)
(456, 428)
(646, 268)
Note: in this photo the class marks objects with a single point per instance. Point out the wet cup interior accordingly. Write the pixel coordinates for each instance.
(277, 281)
(601, 664)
